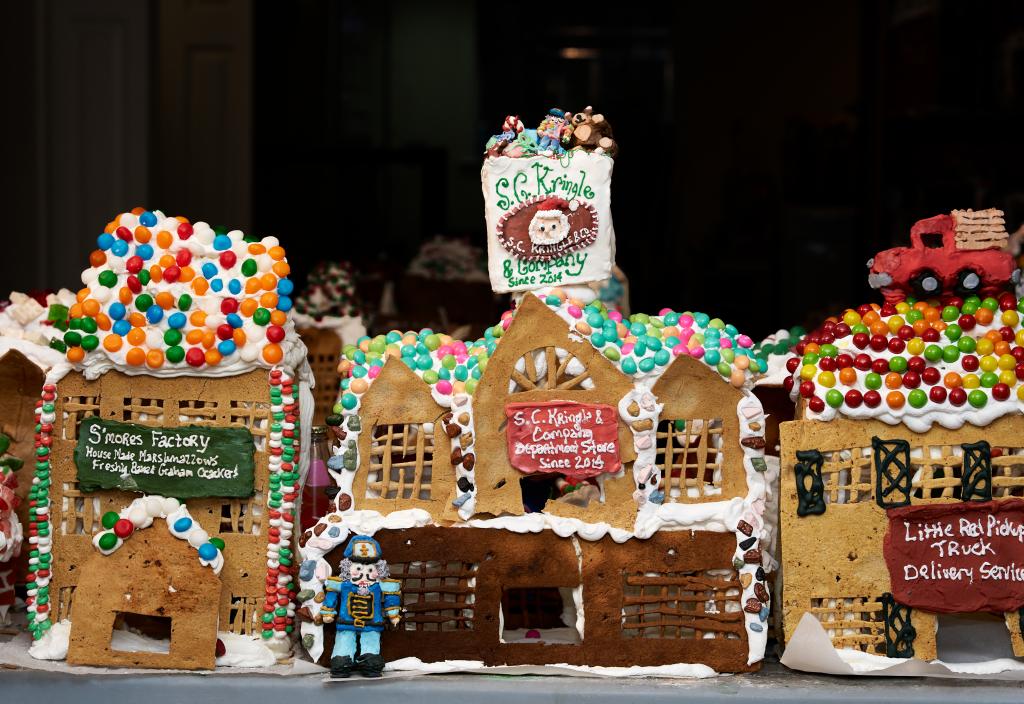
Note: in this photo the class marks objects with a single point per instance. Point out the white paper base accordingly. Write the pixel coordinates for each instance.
(414, 667)
(810, 650)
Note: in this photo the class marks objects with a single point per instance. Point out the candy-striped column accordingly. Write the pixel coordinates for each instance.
(39, 529)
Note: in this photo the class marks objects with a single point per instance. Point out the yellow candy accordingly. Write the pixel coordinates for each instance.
(1011, 317)
(851, 318)
(902, 308)
(971, 381)
(1020, 393)
(895, 323)
(915, 346)
(1007, 361)
(1020, 338)
(827, 379)
(985, 346)
(989, 363)
(1007, 377)
(808, 371)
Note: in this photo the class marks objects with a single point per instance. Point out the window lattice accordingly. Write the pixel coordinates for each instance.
(146, 411)
(437, 596)
(936, 472)
(549, 368)
(703, 604)
(848, 475)
(243, 615)
(79, 512)
(75, 409)
(1007, 472)
(252, 415)
(690, 455)
(852, 622)
(325, 370)
(65, 598)
(401, 462)
(242, 515)
(194, 412)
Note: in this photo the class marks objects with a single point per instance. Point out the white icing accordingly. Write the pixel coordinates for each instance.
(54, 643)
(244, 651)
(683, 670)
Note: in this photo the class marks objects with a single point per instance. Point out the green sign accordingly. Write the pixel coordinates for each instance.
(185, 462)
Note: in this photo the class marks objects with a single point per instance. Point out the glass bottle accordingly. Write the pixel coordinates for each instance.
(316, 502)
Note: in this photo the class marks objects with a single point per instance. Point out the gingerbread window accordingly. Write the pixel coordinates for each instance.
(437, 596)
(242, 515)
(80, 513)
(852, 622)
(75, 409)
(401, 462)
(936, 473)
(194, 412)
(698, 605)
(847, 475)
(146, 411)
(549, 368)
(243, 615)
(689, 452)
(1007, 472)
(252, 415)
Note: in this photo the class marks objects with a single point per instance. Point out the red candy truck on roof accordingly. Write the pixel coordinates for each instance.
(959, 254)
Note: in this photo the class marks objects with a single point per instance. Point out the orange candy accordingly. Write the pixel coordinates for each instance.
(155, 272)
(279, 318)
(166, 261)
(848, 376)
(272, 353)
(281, 268)
(238, 335)
(187, 274)
(124, 294)
(97, 258)
(276, 253)
(983, 316)
(164, 300)
(994, 335)
(952, 380)
(112, 343)
(137, 320)
(895, 399)
(76, 354)
(91, 307)
(870, 317)
(194, 336)
(142, 234)
(75, 311)
(879, 328)
(920, 326)
(213, 357)
(135, 357)
(136, 336)
(198, 318)
(200, 285)
(268, 281)
(1002, 347)
(164, 239)
(112, 225)
(209, 339)
(268, 300)
(154, 359)
(248, 307)
(138, 210)
(253, 285)
(893, 380)
(257, 248)
(931, 314)
(103, 322)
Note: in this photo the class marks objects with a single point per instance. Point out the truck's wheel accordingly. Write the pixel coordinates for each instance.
(968, 282)
(926, 284)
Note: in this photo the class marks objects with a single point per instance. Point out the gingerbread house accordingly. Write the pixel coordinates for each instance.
(182, 379)
(914, 471)
(547, 494)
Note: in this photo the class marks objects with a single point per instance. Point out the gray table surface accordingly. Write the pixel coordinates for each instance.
(773, 684)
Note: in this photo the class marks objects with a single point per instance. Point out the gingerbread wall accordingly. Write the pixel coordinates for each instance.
(645, 602)
(241, 400)
(323, 350)
(833, 562)
(536, 327)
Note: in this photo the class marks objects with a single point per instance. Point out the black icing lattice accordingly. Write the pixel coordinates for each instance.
(976, 481)
(810, 494)
(892, 472)
(899, 632)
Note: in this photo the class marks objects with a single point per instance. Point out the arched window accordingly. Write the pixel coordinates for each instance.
(549, 368)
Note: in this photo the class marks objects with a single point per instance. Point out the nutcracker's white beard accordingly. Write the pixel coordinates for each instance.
(549, 227)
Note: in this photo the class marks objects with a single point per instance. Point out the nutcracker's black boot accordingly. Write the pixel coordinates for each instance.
(341, 666)
(371, 665)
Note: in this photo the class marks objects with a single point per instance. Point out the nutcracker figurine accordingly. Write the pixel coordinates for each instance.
(361, 600)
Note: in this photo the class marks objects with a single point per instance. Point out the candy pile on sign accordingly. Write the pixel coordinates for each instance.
(914, 355)
(638, 345)
(162, 291)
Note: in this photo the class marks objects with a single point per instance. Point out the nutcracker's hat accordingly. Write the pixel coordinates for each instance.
(363, 548)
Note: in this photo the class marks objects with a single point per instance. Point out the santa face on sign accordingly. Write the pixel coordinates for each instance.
(550, 224)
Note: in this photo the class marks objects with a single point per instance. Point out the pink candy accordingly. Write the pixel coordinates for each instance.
(505, 323)
(615, 315)
(575, 311)
(443, 386)
(627, 347)
(744, 341)
(685, 321)
(372, 372)
(697, 352)
(725, 343)
(679, 349)
(664, 311)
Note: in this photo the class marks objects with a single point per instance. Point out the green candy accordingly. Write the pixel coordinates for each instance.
(144, 277)
(917, 398)
(430, 376)
(90, 342)
(933, 353)
(612, 353)
(249, 267)
(107, 278)
(175, 354)
(990, 303)
(109, 519)
(950, 354)
(184, 302)
(107, 541)
(898, 364)
(977, 398)
(873, 381)
(88, 324)
(834, 398)
(261, 316)
(143, 302)
(953, 332)
(966, 344)
(172, 337)
(950, 313)
(989, 379)
(72, 339)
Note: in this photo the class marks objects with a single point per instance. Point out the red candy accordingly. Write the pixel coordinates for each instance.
(134, 264)
(861, 339)
(931, 376)
(184, 230)
(807, 389)
(124, 233)
(969, 362)
(937, 394)
(853, 398)
(172, 273)
(930, 335)
(224, 331)
(134, 284)
(896, 345)
(872, 398)
(1001, 392)
(195, 357)
(228, 259)
(184, 257)
(958, 396)
(123, 528)
(275, 333)
(816, 404)
(228, 306)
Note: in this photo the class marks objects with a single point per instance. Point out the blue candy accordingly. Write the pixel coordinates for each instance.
(234, 320)
(216, 285)
(284, 304)
(121, 327)
(154, 314)
(177, 320)
(117, 310)
(147, 219)
(221, 242)
(119, 248)
(105, 241)
(144, 251)
(226, 347)
(182, 524)
(756, 627)
(307, 569)
(207, 551)
(209, 270)
(235, 286)
(285, 287)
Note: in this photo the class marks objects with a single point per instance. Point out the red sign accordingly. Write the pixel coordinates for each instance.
(957, 558)
(578, 440)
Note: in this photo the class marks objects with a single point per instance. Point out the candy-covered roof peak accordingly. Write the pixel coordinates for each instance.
(166, 296)
(915, 362)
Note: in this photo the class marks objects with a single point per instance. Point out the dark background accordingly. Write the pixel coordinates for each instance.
(767, 149)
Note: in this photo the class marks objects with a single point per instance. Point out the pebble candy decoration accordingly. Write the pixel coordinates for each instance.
(162, 292)
(915, 362)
